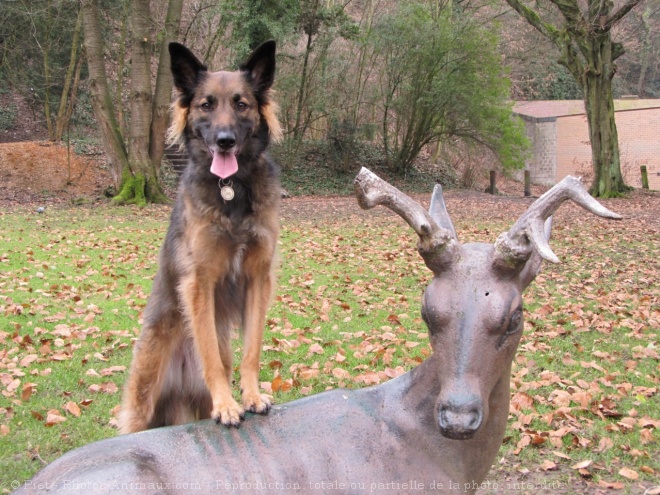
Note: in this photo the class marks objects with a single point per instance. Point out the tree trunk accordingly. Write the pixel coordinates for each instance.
(121, 63)
(62, 118)
(297, 132)
(74, 89)
(163, 91)
(140, 177)
(46, 61)
(47, 112)
(599, 105)
(100, 91)
(645, 53)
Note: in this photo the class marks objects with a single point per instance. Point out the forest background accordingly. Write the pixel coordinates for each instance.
(416, 90)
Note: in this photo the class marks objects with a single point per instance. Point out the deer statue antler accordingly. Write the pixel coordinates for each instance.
(437, 239)
(527, 234)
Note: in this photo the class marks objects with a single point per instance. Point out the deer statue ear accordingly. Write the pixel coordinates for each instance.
(261, 66)
(535, 261)
(186, 69)
(439, 213)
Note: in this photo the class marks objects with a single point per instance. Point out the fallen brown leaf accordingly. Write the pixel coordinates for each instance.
(267, 387)
(106, 388)
(605, 444)
(585, 473)
(646, 436)
(54, 417)
(582, 464)
(112, 369)
(276, 384)
(73, 408)
(629, 473)
(308, 374)
(13, 385)
(341, 373)
(28, 388)
(315, 349)
(30, 358)
(520, 401)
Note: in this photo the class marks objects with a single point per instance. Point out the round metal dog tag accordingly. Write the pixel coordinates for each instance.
(227, 192)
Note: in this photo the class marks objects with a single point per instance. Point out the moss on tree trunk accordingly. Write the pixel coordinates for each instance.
(139, 189)
(132, 190)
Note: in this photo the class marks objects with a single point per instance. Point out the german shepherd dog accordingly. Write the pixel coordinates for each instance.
(216, 264)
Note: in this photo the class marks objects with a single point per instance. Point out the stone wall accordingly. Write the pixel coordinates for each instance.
(542, 133)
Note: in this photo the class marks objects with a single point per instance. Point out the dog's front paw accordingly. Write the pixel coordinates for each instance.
(257, 403)
(228, 414)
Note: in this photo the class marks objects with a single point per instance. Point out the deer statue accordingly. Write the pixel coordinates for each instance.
(436, 428)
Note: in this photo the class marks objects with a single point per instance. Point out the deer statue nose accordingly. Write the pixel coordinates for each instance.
(225, 140)
(460, 417)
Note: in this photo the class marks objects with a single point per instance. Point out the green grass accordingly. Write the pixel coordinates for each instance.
(73, 283)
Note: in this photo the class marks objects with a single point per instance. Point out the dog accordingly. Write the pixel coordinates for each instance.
(216, 265)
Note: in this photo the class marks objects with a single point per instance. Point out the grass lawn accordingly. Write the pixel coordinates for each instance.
(585, 410)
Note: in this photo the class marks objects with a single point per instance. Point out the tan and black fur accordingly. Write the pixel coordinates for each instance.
(216, 265)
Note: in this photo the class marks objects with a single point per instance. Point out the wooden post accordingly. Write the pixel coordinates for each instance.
(645, 177)
(528, 181)
(493, 187)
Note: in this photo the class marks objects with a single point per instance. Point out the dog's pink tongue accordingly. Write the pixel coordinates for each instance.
(224, 164)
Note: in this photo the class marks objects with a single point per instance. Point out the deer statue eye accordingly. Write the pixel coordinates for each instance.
(515, 322)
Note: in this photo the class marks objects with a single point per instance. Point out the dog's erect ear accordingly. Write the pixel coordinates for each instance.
(261, 66)
(186, 68)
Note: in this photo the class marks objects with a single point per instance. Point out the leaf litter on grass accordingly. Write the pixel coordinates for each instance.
(584, 404)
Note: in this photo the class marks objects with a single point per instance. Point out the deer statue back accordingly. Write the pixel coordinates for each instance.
(436, 428)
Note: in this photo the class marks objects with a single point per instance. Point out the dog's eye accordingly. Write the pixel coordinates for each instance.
(241, 105)
(205, 106)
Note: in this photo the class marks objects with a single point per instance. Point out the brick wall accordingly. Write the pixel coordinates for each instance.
(639, 144)
(573, 148)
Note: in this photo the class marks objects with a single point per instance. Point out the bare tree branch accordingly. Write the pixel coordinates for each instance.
(572, 13)
(621, 13)
(533, 18)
